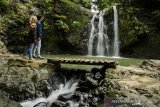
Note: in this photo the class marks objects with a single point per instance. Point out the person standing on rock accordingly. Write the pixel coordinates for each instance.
(32, 37)
(37, 45)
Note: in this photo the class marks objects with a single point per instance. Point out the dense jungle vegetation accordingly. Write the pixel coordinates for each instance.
(66, 25)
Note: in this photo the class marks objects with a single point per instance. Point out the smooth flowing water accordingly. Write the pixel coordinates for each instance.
(116, 37)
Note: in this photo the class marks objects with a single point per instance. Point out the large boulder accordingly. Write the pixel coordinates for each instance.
(22, 78)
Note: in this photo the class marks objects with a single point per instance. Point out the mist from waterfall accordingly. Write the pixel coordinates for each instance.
(116, 38)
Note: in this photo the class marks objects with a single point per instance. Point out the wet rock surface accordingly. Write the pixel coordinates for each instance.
(22, 79)
(90, 91)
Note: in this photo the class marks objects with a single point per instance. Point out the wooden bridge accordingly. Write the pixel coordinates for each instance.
(105, 63)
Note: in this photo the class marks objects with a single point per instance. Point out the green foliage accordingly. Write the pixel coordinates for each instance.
(69, 4)
(62, 25)
(131, 26)
(75, 24)
(76, 1)
(102, 4)
(60, 16)
(86, 3)
(4, 5)
(74, 15)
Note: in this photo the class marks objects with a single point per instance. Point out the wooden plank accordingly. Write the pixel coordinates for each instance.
(82, 61)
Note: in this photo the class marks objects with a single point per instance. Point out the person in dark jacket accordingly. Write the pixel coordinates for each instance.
(37, 46)
(32, 36)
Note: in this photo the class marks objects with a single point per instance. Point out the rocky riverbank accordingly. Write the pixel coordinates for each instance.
(19, 78)
(22, 79)
(139, 83)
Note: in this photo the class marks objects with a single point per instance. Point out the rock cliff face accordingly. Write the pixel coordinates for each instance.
(23, 79)
(3, 48)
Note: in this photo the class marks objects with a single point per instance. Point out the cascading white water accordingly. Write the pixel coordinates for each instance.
(99, 33)
(98, 30)
(92, 36)
(116, 38)
(94, 11)
(100, 45)
(69, 87)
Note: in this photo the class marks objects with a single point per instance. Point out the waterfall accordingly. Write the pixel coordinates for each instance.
(94, 11)
(98, 34)
(98, 31)
(116, 38)
(100, 45)
(92, 36)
